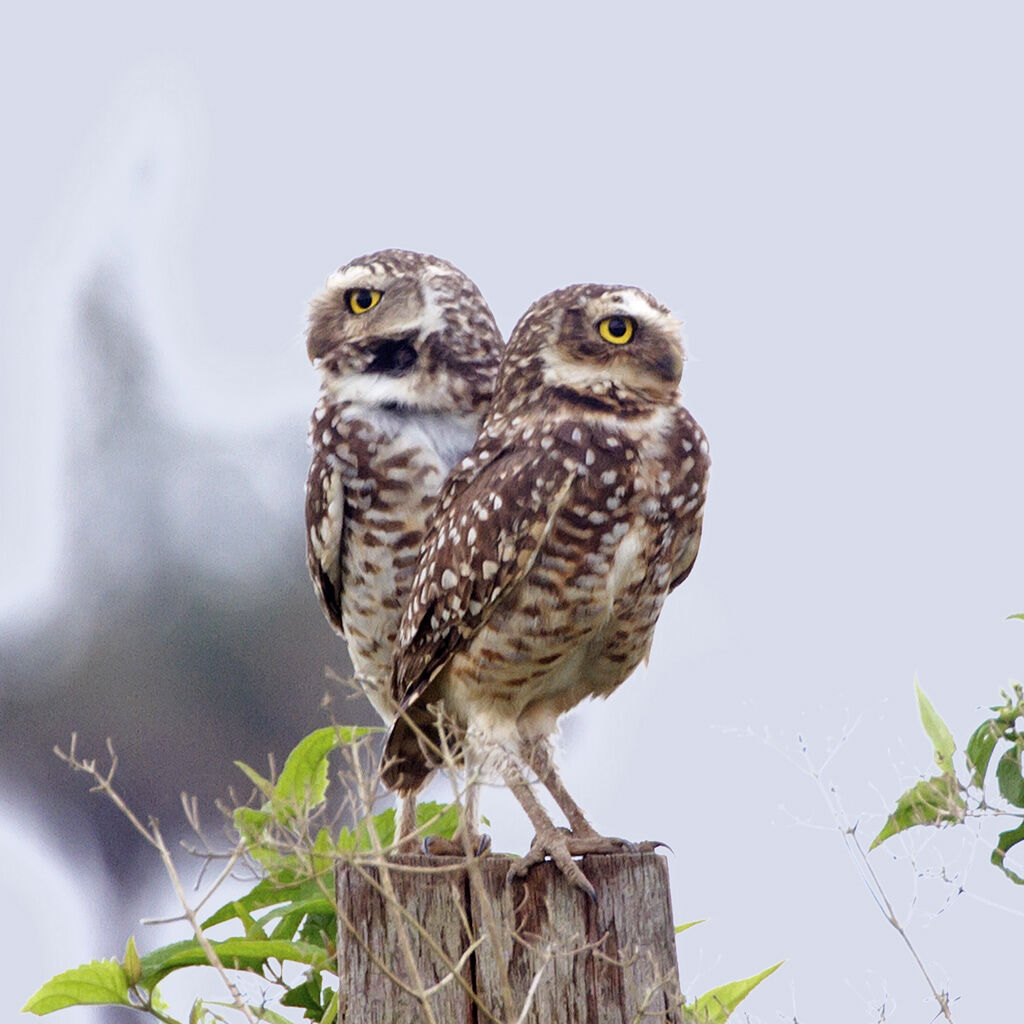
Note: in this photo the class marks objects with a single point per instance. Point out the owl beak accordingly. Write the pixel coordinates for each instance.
(668, 366)
(393, 356)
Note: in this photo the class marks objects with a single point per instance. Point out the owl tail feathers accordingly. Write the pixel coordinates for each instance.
(413, 749)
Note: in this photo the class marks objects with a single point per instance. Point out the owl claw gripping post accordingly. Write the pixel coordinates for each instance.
(553, 547)
(407, 352)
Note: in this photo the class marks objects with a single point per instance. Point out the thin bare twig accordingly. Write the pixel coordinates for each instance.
(871, 879)
(153, 836)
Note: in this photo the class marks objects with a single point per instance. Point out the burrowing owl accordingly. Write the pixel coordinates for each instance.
(554, 545)
(408, 353)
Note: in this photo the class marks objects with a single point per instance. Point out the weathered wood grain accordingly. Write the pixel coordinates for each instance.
(578, 962)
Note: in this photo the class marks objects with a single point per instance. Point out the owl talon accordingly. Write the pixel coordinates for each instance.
(650, 845)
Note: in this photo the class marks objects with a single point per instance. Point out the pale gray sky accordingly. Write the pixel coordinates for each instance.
(828, 195)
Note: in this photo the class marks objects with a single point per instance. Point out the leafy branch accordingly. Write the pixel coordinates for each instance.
(290, 913)
(948, 798)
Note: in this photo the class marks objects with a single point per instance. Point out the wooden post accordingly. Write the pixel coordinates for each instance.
(407, 929)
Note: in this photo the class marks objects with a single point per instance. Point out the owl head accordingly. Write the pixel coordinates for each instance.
(595, 344)
(404, 330)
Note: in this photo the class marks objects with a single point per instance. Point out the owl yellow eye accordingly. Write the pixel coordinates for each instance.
(617, 329)
(360, 300)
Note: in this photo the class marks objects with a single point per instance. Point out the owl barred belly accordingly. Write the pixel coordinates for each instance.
(390, 469)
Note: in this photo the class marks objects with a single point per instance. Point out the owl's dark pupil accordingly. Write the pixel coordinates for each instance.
(616, 327)
(363, 298)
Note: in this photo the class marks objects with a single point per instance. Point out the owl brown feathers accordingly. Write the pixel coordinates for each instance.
(407, 352)
(554, 545)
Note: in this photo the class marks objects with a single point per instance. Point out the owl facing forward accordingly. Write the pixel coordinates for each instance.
(552, 551)
(407, 351)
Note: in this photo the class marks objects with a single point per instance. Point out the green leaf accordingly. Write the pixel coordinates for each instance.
(331, 1013)
(938, 733)
(384, 824)
(258, 1012)
(99, 983)
(1007, 841)
(320, 930)
(1013, 709)
(252, 929)
(358, 838)
(1019, 615)
(349, 734)
(979, 749)
(157, 1001)
(269, 893)
(689, 924)
(255, 829)
(132, 964)
(303, 778)
(348, 840)
(291, 921)
(263, 1013)
(715, 1007)
(262, 784)
(437, 819)
(931, 802)
(308, 996)
(322, 852)
(251, 823)
(314, 905)
(239, 953)
(1011, 784)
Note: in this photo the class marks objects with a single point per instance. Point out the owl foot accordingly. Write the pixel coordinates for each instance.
(560, 845)
(581, 843)
(438, 846)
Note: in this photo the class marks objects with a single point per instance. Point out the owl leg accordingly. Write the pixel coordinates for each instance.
(549, 841)
(406, 814)
(469, 828)
(468, 840)
(538, 756)
(585, 838)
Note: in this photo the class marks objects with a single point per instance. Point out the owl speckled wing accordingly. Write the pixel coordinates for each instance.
(685, 506)
(325, 516)
(475, 551)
